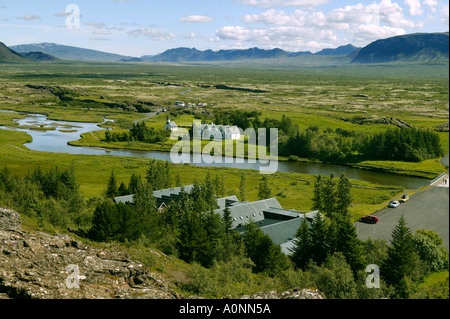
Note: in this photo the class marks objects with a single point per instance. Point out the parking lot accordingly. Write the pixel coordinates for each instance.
(427, 209)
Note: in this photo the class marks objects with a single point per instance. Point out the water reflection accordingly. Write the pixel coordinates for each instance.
(59, 133)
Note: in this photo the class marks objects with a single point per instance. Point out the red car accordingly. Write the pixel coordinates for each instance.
(371, 219)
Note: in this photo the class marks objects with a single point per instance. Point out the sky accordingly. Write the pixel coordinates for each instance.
(148, 27)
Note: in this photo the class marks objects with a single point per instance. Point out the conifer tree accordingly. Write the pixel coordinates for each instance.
(301, 252)
(401, 257)
(343, 196)
(264, 190)
(318, 198)
(329, 194)
(243, 188)
(319, 239)
(111, 189)
(227, 221)
(134, 184)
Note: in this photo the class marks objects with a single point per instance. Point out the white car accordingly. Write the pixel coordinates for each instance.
(394, 204)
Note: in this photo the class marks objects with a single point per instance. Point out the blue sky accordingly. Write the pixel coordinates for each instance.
(140, 27)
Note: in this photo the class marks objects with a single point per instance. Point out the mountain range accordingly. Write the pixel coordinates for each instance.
(418, 47)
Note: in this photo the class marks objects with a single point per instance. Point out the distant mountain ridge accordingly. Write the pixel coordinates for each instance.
(39, 56)
(194, 55)
(65, 52)
(416, 47)
(342, 50)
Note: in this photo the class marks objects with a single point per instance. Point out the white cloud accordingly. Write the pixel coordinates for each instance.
(284, 3)
(62, 14)
(97, 25)
(197, 18)
(191, 35)
(101, 32)
(415, 7)
(366, 33)
(288, 37)
(385, 11)
(99, 39)
(152, 34)
(277, 17)
(432, 4)
(444, 17)
(29, 17)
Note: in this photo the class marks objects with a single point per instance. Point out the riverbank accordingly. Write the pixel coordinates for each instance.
(293, 190)
(428, 169)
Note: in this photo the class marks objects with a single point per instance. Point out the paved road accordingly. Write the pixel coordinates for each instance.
(427, 209)
(147, 116)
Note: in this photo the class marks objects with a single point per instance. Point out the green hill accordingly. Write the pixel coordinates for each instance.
(8, 55)
(65, 52)
(417, 47)
(39, 56)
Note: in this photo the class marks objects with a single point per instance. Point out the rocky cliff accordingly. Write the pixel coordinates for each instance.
(42, 266)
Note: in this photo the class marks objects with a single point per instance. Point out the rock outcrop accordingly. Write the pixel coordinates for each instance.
(290, 294)
(43, 266)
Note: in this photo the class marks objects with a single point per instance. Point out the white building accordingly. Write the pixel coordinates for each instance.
(170, 126)
(213, 131)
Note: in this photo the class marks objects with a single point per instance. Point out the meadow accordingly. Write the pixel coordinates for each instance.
(324, 93)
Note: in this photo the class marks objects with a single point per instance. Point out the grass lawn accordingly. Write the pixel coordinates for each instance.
(293, 190)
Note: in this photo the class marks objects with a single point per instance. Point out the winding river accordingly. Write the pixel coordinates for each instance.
(55, 140)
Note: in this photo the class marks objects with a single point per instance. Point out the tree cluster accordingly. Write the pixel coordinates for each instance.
(403, 264)
(52, 196)
(138, 132)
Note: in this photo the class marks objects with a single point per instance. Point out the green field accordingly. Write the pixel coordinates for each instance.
(325, 93)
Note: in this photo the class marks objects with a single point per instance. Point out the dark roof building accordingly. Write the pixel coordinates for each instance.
(279, 224)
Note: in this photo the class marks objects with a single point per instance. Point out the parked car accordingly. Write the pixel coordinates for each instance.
(371, 219)
(394, 203)
(404, 198)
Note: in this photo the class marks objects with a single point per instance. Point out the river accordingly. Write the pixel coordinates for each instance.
(56, 141)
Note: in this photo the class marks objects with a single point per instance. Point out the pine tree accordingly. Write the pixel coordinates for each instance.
(329, 197)
(264, 190)
(318, 198)
(301, 252)
(122, 190)
(319, 239)
(105, 222)
(111, 189)
(227, 221)
(178, 181)
(243, 188)
(347, 242)
(343, 196)
(134, 184)
(401, 258)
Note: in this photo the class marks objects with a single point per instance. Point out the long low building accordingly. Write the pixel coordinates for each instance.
(279, 224)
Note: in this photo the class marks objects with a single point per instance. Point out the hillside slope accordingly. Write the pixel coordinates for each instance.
(8, 55)
(39, 56)
(65, 52)
(417, 47)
